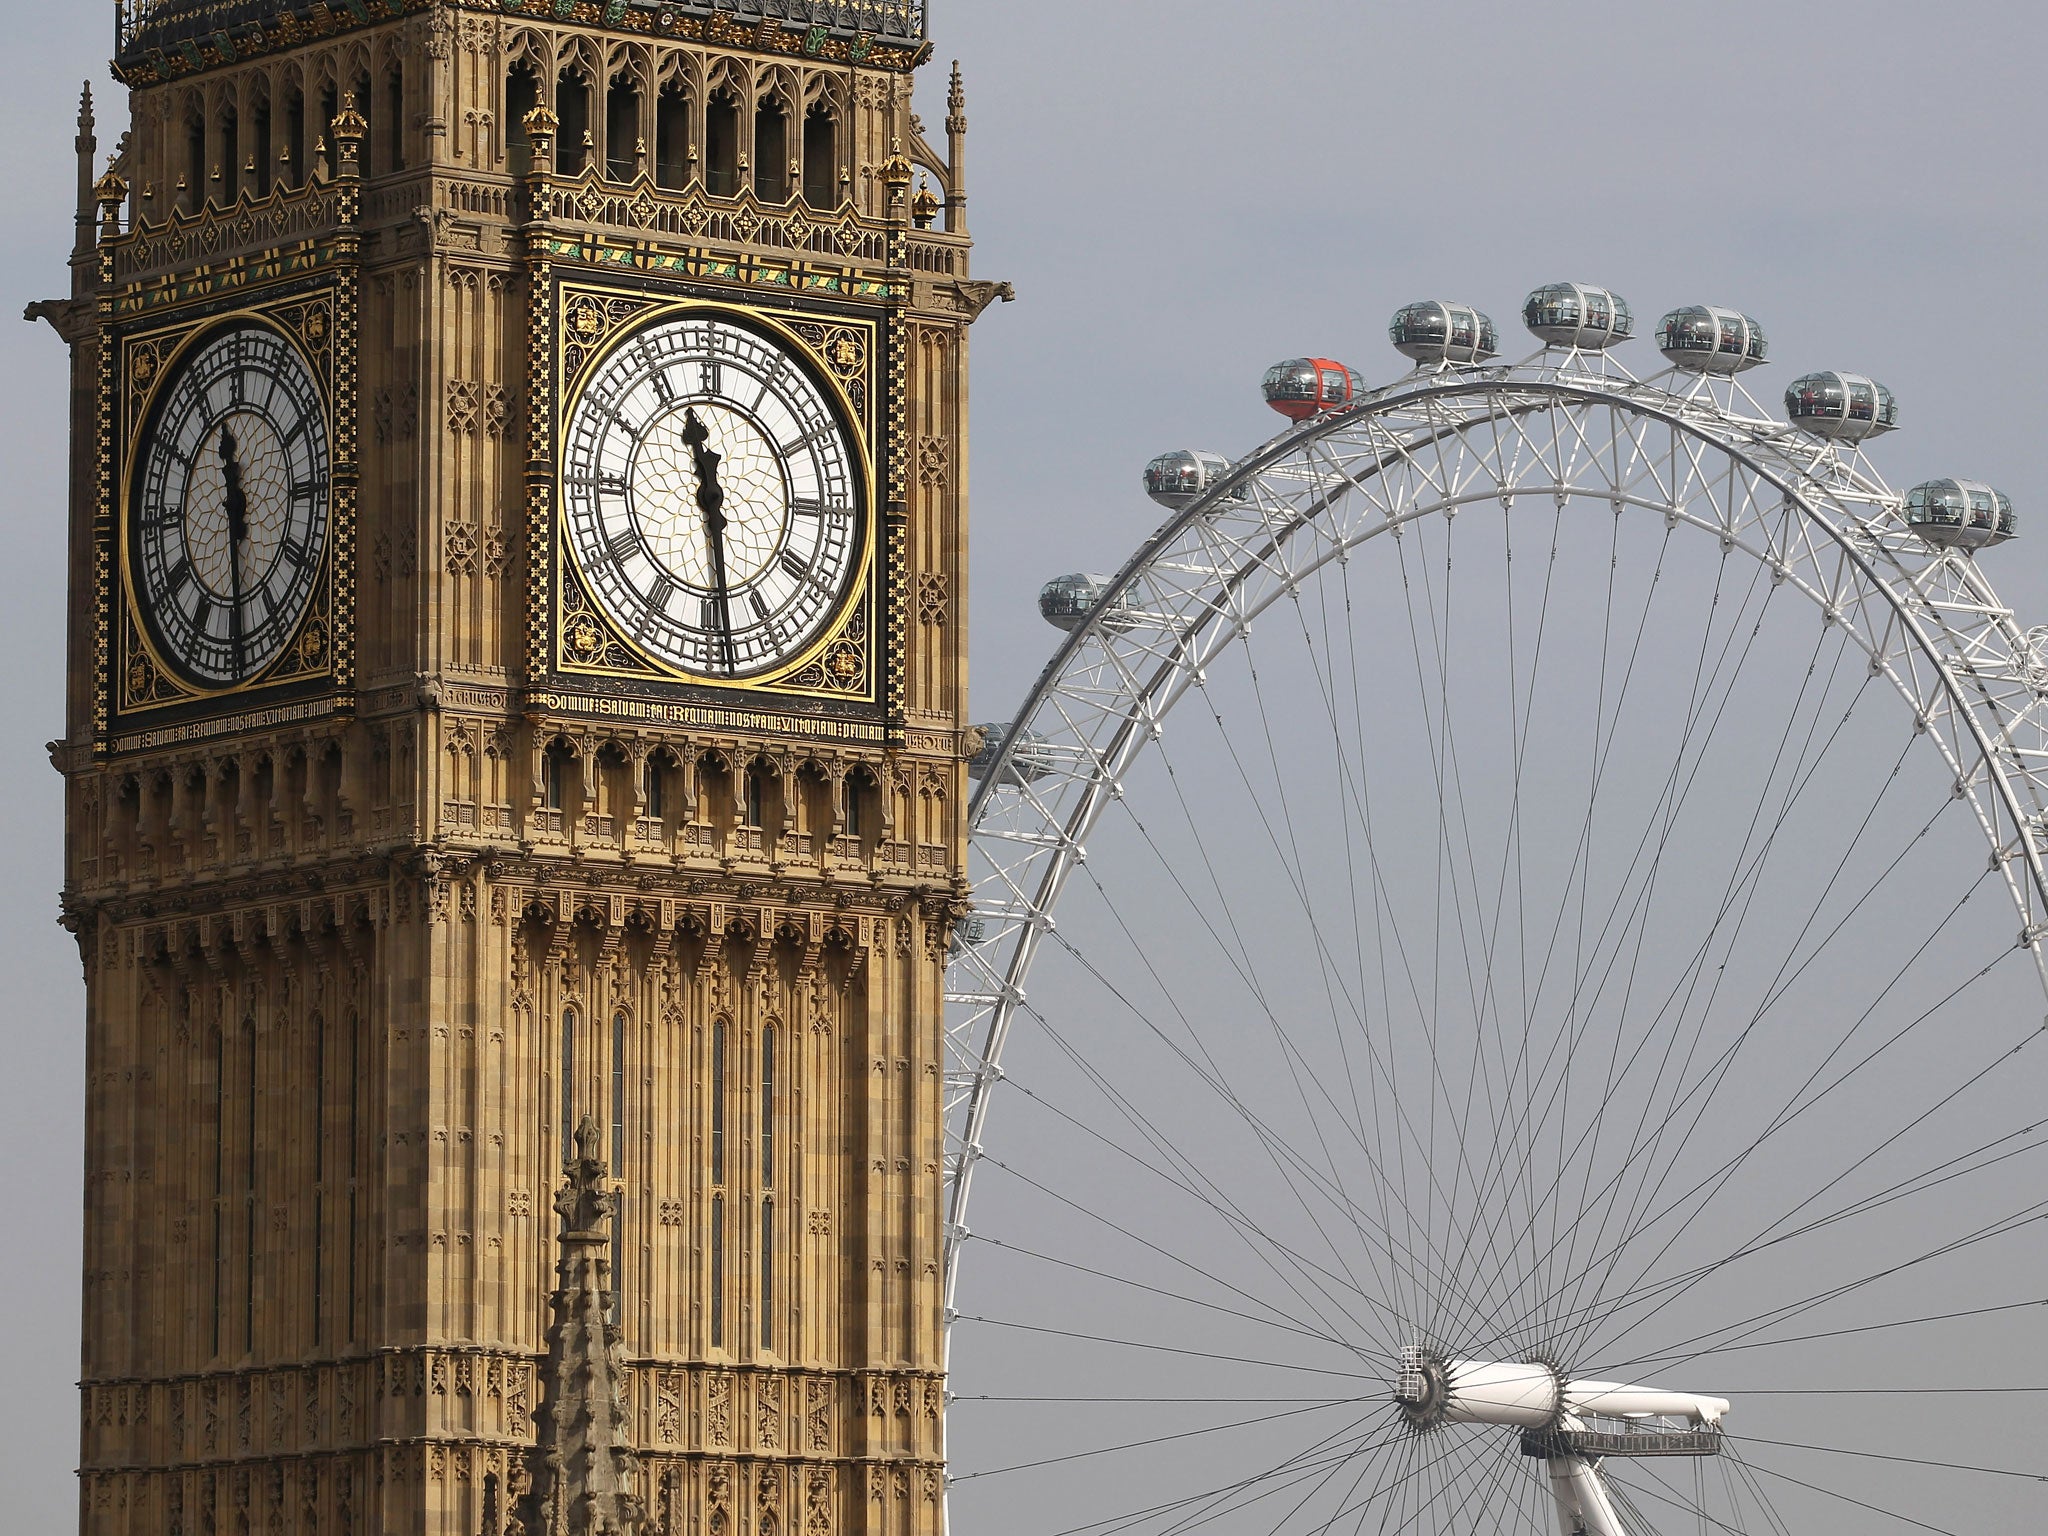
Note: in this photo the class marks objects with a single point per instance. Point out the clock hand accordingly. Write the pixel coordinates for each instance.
(711, 502)
(238, 529)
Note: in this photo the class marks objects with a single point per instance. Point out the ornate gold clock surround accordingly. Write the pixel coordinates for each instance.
(586, 653)
(142, 701)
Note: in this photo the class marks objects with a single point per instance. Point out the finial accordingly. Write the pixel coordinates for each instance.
(896, 171)
(350, 128)
(924, 206)
(589, 1141)
(348, 122)
(110, 192)
(85, 117)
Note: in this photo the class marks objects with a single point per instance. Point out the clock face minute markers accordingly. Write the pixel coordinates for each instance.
(710, 498)
(229, 506)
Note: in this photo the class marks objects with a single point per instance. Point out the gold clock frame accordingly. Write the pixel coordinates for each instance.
(844, 662)
(145, 700)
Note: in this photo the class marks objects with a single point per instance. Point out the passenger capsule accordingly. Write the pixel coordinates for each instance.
(1431, 331)
(1303, 387)
(1960, 514)
(1030, 761)
(1843, 406)
(1065, 602)
(1176, 479)
(1574, 315)
(1703, 339)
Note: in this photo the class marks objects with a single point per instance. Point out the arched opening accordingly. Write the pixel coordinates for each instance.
(330, 105)
(262, 160)
(654, 787)
(672, 138)
(195, 163)
(721, 145)
(572, 106)
(771, 151)
(291, 155)
(557, 765)
(522, 95)
(394, 117)
(863, 808)
(221, 188)
(760, 796)
(821, 158)
(366, 105)
(623, 150)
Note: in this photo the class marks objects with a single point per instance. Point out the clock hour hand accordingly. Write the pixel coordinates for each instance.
(711, 502)
(237, 501)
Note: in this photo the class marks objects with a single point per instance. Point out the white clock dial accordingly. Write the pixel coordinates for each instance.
(710, 497)
(229, 506)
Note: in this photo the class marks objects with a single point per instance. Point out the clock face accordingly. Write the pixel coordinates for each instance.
(710, 498)
(229, 510)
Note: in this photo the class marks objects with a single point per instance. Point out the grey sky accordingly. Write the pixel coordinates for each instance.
(1183, 193)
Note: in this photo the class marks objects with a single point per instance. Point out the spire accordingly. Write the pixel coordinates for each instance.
(88, 151)
(583, 1470)
(956, 154)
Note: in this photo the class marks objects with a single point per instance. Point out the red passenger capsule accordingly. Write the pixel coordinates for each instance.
(1303, 387)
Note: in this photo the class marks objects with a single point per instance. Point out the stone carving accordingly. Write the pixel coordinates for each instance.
(718, 1409)
(818, 1414)
(458, 545)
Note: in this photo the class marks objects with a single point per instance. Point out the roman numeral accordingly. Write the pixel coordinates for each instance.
(810, 439)
(622, 544)
(813, 508)
(713, 378)
(658, 377)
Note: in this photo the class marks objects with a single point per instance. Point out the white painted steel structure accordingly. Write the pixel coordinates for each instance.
(1562, 428)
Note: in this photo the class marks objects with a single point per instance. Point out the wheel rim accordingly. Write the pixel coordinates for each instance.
(1594, 1240)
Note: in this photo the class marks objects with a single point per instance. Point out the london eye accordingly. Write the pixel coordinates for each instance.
(1506, 987)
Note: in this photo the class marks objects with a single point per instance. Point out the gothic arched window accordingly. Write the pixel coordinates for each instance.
(721, 145)
(771, 151)
(821, 158)
(672, 138)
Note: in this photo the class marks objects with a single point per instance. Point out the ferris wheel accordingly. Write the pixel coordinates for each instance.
(1506, 988)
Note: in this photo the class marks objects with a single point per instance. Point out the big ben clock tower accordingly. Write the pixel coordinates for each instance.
(515, 723)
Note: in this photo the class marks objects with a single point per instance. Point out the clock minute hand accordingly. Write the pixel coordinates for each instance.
(711, 502)
(237, 501)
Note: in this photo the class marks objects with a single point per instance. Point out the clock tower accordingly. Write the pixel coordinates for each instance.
(515, 726)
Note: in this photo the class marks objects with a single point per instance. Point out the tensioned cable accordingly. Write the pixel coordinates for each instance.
(1132, 1445)
(1911, 1461)
(1293, 1463)
(1877, 1509)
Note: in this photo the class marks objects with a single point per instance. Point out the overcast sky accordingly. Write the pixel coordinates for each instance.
(1183, 193)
